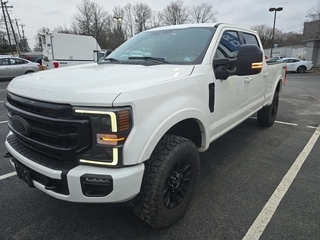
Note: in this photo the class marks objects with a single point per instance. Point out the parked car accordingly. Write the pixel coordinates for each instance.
(33, 56)
(297, 65)
(273, 59)
(11, 67)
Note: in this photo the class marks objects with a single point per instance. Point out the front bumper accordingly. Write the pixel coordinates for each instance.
(126, 181)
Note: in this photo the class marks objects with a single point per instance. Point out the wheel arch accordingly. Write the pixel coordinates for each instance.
(186, 123)
(279, 86)
(28, 71)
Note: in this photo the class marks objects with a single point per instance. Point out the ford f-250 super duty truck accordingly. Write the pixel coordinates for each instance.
(129, 129)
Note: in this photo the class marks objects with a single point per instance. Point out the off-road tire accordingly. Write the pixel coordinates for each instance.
(267, 115)
(169, 181)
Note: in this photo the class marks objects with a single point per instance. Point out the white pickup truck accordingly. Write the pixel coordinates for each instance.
(129, 129)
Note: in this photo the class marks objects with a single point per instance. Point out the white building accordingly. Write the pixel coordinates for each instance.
(311, 35)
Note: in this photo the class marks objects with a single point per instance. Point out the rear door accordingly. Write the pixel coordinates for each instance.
(257, 83)
(5, 71)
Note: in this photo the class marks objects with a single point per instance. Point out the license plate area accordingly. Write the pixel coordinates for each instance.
(24, 174)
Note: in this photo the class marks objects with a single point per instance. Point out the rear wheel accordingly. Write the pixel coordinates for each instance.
(29, 71)
(267, 115)
(169, 182)
(301, 69)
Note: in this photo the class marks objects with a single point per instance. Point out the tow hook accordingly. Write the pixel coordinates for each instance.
(7, 155)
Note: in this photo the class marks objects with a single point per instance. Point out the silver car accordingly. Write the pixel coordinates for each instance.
(11, 67)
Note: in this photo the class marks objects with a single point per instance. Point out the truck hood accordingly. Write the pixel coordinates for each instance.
(92, 84)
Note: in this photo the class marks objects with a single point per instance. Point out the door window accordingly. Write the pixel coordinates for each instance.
(4, 61)
(228, 48)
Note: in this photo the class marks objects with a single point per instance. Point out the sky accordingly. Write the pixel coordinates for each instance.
(36, 14)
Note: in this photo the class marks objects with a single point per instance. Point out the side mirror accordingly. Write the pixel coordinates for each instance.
(219, 71)
(249, 60)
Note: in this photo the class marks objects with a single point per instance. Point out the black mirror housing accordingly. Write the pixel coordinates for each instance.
(249, 60)
(219, 70)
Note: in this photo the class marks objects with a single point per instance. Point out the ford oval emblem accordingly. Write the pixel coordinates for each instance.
(21, 125)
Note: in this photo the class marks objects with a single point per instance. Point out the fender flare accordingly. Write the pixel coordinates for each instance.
(168, 123)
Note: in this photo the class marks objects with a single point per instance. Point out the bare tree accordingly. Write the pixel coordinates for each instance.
(176, 13)
(292, 38)
(314, 12)
(157, 19)
(128, 20)
(265, 33)
(90, 19)
(83, 18)
(4, 44)
(203, 13)
(280, 38)
(64, 29)
(142, 13)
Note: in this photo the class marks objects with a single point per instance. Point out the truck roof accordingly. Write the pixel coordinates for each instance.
(181, 26)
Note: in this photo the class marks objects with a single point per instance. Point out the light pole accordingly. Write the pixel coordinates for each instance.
(275, 10)
(118, 19)
(119, 33)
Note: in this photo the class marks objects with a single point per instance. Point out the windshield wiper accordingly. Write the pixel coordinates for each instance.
(112, 59)
(149, 59)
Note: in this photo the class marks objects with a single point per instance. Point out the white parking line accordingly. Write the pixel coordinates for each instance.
(312, 127)
(269, 209)
(1, 101)
(8, 175)
(3, 122)
(286, 123)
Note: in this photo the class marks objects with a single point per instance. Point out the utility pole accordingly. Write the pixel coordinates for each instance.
(22, 25)
(19, 35)
(13, 32)
(18, 27)
(5, 21)
(24, 40)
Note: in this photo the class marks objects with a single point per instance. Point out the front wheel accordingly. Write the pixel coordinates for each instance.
(267, 115)
(169, 181)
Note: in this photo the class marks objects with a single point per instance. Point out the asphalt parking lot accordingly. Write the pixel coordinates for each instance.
(255, 183)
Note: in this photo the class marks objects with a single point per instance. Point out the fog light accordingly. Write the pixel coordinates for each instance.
(96, 185)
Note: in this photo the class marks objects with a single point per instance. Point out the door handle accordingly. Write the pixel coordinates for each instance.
(247, 79)
(265, 74)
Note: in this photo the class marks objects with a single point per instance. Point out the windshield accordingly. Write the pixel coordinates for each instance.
(173, 46)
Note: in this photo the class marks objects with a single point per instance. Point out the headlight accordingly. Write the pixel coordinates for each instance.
(110, 129)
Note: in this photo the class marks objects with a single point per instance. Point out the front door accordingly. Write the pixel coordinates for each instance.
(231, 95)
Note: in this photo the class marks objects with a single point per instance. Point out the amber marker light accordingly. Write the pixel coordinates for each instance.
(256, 65)
(108, 139)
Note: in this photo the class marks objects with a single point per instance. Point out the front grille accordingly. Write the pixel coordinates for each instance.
(52, 129)
(41, 108)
